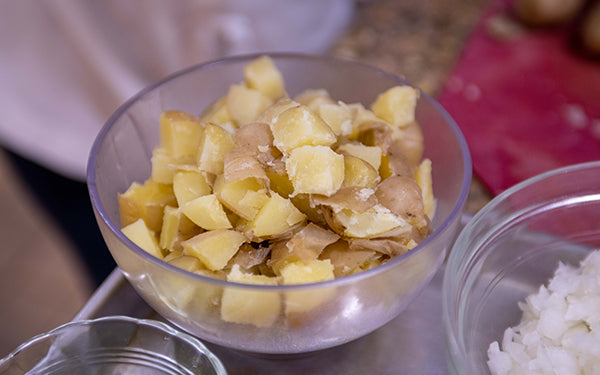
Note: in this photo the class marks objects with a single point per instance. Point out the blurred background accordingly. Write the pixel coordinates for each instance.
(521, 78)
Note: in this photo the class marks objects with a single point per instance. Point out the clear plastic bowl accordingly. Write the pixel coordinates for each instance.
(352, 306)
(508, 250)
(112, 345)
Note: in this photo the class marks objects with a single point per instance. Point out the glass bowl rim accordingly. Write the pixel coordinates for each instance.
(454, 214)
(451, 333)
(193, 341)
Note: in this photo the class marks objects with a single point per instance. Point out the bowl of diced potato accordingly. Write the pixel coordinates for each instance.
(282, 203)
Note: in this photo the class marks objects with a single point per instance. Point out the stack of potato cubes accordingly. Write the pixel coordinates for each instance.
(261, 188)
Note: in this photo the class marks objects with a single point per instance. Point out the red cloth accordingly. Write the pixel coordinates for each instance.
(525, 105)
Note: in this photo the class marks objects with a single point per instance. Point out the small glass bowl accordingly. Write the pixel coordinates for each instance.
(342, 309)
(511, 248)
(112, 345)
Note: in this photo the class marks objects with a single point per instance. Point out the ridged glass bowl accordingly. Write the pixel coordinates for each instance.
(112, 345)
(355, 305)
(508, 250)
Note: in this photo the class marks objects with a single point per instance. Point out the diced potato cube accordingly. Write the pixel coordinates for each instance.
(214, 144)
(244, 197)
(186, 262)
(315, 170)
(189, 185)
(371, 223)
(163, 166)
(277, 216)
(358, 172)
(299, 126)
(423, 178)
(175, 228)
(245, 104)
(217, 113)
(273, 111)
(280, 183)
(360, 115)
(314, 98)
(338, 117)
(397, 105)
(247, 306)
(262, 75)
(300, 273)
(302, 301)
(214, 248)
(313, 212)
(146, 202)
(370, 154)
(207, 212)
(180, 134)
(139, 233)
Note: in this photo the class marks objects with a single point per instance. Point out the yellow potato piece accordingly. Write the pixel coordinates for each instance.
(338, 117)
(371, 223)
(277, 216)
(245, 104)
(303, 301)
(214, 144)
(175, 228)
(315, 170)
(207, 212)
(299, 126)
(214, 248)
(180, 134)
(424, 180)
(246, 306)
(245, 197)
(370, 154)
(139, 233)
(164, 166)
(189, 185)
(217, 113)
(360, 173)
(146, 202)
(397, 105)
(261, 74)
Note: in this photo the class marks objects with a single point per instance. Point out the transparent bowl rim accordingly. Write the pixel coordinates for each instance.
(454, 214)
(194, 342)
(457, 255)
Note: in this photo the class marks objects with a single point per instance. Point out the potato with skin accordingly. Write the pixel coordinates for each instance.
(403, 197)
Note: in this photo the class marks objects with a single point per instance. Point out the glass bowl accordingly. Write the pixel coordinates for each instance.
(355, 305)
(112, 345)
(511, 248)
